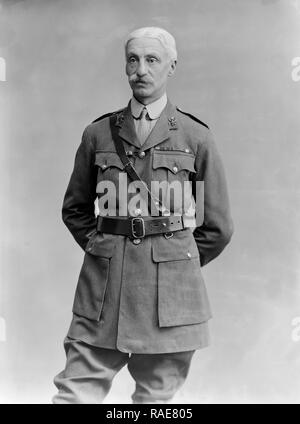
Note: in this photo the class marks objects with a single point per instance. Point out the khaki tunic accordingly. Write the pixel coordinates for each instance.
(148, 297)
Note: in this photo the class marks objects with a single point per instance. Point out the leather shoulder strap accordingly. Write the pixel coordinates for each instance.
(107, 115)
(129, 168)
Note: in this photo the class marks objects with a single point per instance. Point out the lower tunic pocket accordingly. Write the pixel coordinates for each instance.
(182, 295)
(91, 287)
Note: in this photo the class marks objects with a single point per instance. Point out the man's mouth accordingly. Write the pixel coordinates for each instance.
(141, 82)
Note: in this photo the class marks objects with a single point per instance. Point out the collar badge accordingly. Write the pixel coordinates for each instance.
(120, 119)
(172, 122)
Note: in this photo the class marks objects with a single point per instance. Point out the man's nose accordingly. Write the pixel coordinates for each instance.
(142, 68)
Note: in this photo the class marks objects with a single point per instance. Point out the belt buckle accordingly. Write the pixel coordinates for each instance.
(135, 232)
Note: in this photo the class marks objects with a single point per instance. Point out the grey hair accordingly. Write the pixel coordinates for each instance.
(165, 38)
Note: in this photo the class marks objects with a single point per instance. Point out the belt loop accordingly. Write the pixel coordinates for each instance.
(99, 222)
(182, 222)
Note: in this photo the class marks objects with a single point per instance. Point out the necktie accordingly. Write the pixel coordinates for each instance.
(143, 126)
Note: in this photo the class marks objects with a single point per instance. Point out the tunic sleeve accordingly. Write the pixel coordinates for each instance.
(78, 204)
(217, 228)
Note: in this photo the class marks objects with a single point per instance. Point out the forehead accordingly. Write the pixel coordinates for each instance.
(145, 45)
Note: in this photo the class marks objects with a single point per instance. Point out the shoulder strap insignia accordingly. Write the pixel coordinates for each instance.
(107, 115)
(192, 117)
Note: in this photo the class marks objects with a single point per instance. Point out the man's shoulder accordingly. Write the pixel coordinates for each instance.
(191, 118)
(108, 115)
(100, 125)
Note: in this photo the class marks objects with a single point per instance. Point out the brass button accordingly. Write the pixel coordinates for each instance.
(129, 153)
(137, 212)
(189, 255)
(103, 166)
(142, 154)
(187, 150)
(137, 241)
(175, 169)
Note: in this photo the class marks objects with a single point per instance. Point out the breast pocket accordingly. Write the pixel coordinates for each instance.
(110, 175)
(171, 176)
(109, 165)
(173, 165)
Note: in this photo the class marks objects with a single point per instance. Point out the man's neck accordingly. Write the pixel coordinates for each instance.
(147, 102)
(154, 108)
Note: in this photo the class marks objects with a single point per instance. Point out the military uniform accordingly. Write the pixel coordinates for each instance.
(146, 296)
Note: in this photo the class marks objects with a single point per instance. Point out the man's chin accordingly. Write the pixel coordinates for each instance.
(142, 95)
(141, 92)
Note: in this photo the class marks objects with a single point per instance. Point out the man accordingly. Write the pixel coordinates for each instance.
(140, 298)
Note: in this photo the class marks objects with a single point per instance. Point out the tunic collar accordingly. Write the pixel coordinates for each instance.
(154, 109)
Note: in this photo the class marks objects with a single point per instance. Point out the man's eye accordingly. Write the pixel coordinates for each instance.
(152, 59)
(132, 60)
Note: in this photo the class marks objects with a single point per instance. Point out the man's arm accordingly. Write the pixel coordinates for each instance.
(216, 231)
(78, 205)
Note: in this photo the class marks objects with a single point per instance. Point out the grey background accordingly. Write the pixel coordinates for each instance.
(65, 67)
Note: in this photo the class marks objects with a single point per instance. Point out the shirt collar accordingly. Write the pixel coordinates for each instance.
(154, 109)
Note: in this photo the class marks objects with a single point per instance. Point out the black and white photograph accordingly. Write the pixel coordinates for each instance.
(150, 203)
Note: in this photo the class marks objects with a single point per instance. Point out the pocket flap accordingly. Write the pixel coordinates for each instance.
(173, 160)
(101, 245)
(108, 159)
(181, 246)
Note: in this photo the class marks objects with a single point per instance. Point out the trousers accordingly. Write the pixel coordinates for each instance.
(89, 372)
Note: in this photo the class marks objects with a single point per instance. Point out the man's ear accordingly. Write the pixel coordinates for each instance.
(172, 68)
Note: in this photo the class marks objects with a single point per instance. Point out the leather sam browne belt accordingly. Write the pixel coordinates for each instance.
(139, 227)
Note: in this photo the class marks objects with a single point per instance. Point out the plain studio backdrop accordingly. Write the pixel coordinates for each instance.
(62, 66)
